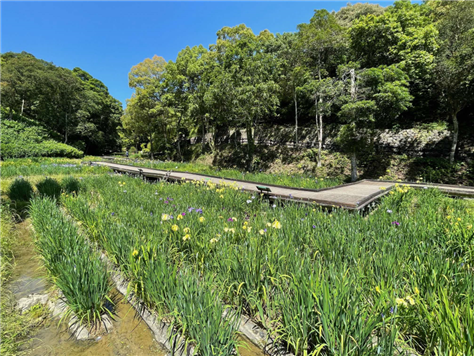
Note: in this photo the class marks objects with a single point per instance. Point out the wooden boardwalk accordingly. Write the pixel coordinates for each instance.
(353, 196)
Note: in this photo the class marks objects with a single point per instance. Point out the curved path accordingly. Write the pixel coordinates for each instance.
(353, 196)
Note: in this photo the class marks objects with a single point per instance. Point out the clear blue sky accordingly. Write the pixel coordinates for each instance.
(107, 38)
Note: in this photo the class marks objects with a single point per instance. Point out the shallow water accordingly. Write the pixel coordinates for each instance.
(247, 348)
(28, 274)
(129, 336)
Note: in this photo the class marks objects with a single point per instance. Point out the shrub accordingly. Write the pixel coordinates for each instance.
(22, 137)
(49, 187)
(71, 185)
(20, 190)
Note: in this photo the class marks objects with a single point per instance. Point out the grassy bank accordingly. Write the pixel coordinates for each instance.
(13, 327)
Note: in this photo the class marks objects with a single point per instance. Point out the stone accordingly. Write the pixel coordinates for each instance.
(25, 304)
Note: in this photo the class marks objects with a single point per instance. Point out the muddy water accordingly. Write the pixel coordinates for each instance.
(247, 348)
(130, 335)
(28, 274)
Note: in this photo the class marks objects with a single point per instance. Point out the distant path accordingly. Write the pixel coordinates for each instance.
(353, 196)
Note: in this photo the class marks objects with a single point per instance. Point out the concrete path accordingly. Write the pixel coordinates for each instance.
(352, 196)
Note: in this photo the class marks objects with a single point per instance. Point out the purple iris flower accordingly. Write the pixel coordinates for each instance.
(113, 214)
(166, 201)
(190, 209)
(395, 223)
(199, 211)
(391, 310)
(230, 219)
(314, 226)
(265, 230)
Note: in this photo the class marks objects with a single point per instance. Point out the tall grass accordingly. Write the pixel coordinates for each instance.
(73, 265)
(46, 166)
(20, 190)
(329, 283)
(49, 187)
(308, 180)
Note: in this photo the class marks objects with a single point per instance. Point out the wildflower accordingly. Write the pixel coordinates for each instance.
(249, 229)
(249, 201)
(179, 217)
(389, 211)
(221, 196)
(253, 197)
(199, 211)
(459, 219)
(448, 217)
(276, 224)
(213, 240)
(269, 224)
(186, 230)
(314, 226)
(383, 188)
(175, 228)
(410, 300)
(246, 223)
(273, 206)
(201, 219)
(220, 217)
(395, 223)
(166, 217)
(186, 237)
(401, 301)
(391, 310)
(113, 214)
(469, 227)
(234, 219)
(134, 253)
(124, 191)
(261, 232)
(166, 202)
(377, 289)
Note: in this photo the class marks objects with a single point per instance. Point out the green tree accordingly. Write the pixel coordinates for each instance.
(323, 42)
(455, 61)
(251, 70)
(373, 98)
(145, 113)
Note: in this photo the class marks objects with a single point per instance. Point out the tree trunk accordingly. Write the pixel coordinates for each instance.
(320, 139)
(296, 119)
(65, 134)
(151, 147)
(22, 106)
(353, 167)
(250, 146)
(454, 142)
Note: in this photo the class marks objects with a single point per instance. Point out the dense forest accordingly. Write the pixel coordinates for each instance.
(358, 70)
(67, 106)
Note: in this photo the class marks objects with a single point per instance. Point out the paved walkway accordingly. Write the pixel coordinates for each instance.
(352, 196)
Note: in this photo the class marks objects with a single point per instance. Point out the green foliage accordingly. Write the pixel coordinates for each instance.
(395, 280)
(74, 267)
(20, 190)
(49, 187)
(70, 185)
(22, 137)
(72, 104)
(46, 166)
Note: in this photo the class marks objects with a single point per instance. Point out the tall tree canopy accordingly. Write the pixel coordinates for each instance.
(72, 103)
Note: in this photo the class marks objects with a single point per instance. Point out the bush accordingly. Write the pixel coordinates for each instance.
(49, 148)
(49, 187)
(22, 137)
(20, 190)
(71, 185)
